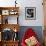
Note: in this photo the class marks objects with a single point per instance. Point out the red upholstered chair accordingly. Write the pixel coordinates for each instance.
(29, 33)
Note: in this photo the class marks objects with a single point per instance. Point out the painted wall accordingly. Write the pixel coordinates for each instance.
(37, 29)
(39, 12)
(26, 3)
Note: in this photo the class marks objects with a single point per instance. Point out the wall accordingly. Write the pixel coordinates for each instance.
(27, 3)
(37, 30)
(39, 12)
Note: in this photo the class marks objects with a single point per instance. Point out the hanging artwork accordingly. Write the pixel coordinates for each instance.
(30, 13)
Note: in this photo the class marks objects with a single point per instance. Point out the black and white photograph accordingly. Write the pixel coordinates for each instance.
(30, 13)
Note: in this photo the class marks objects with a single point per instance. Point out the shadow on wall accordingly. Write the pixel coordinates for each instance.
(37, 29)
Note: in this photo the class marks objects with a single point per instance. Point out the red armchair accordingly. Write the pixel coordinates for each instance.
(28, 34)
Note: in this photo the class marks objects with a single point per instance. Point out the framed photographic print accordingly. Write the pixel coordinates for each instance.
(30, 13)
(5, 12)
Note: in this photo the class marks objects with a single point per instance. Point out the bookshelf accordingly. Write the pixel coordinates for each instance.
(9, 22)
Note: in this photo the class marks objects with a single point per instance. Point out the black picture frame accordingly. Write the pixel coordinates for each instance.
(30, 13)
